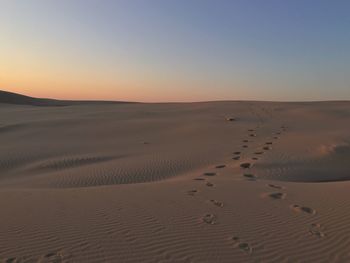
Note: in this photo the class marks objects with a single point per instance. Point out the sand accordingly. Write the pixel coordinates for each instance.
(178, 182)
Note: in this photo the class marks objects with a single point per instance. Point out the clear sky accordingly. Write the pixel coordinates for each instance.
(176, 50)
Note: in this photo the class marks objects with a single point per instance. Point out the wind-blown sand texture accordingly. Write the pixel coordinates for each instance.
(194, 182)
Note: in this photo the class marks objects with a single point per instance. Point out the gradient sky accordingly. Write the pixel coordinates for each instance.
(176, 50)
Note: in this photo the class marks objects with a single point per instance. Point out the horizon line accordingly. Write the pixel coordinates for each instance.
(167, 102)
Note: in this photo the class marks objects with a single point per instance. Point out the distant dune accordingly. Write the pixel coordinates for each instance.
(15, 98)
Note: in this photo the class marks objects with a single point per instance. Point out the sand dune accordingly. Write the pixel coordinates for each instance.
(191, 182)
(19, 99)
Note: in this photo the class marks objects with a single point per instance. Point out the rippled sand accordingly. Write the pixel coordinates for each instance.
(191, 182)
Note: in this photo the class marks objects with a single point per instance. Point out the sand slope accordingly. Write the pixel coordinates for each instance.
(19, 99)
(194, 182)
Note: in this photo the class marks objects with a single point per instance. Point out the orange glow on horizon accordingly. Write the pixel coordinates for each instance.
(129, 93)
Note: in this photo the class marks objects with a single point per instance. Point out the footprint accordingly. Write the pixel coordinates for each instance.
(217, 203)
(236, 158)
(315, 229)
(267, 148)
(276, 196)
(11, 260)
(209, 184)
(303, 209)
(245, 146)
(254, 158)
(251, 177)
(199, 179)
(251, 130)
(268, 143)
(230, 119)
(236, 153)
(220, 166)
(209, 219)
(259, 153)
(275, 186)
(252, 135)
(245, 141)
(192, 192)
(245, 247)
(51, 257)
(209, 174)
(245, 165)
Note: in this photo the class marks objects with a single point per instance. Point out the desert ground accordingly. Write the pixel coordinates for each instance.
(230, 181)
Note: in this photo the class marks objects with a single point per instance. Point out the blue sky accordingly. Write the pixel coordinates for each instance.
(176, 50)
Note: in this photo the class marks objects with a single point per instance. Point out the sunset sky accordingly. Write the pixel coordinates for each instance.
(183, 50)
